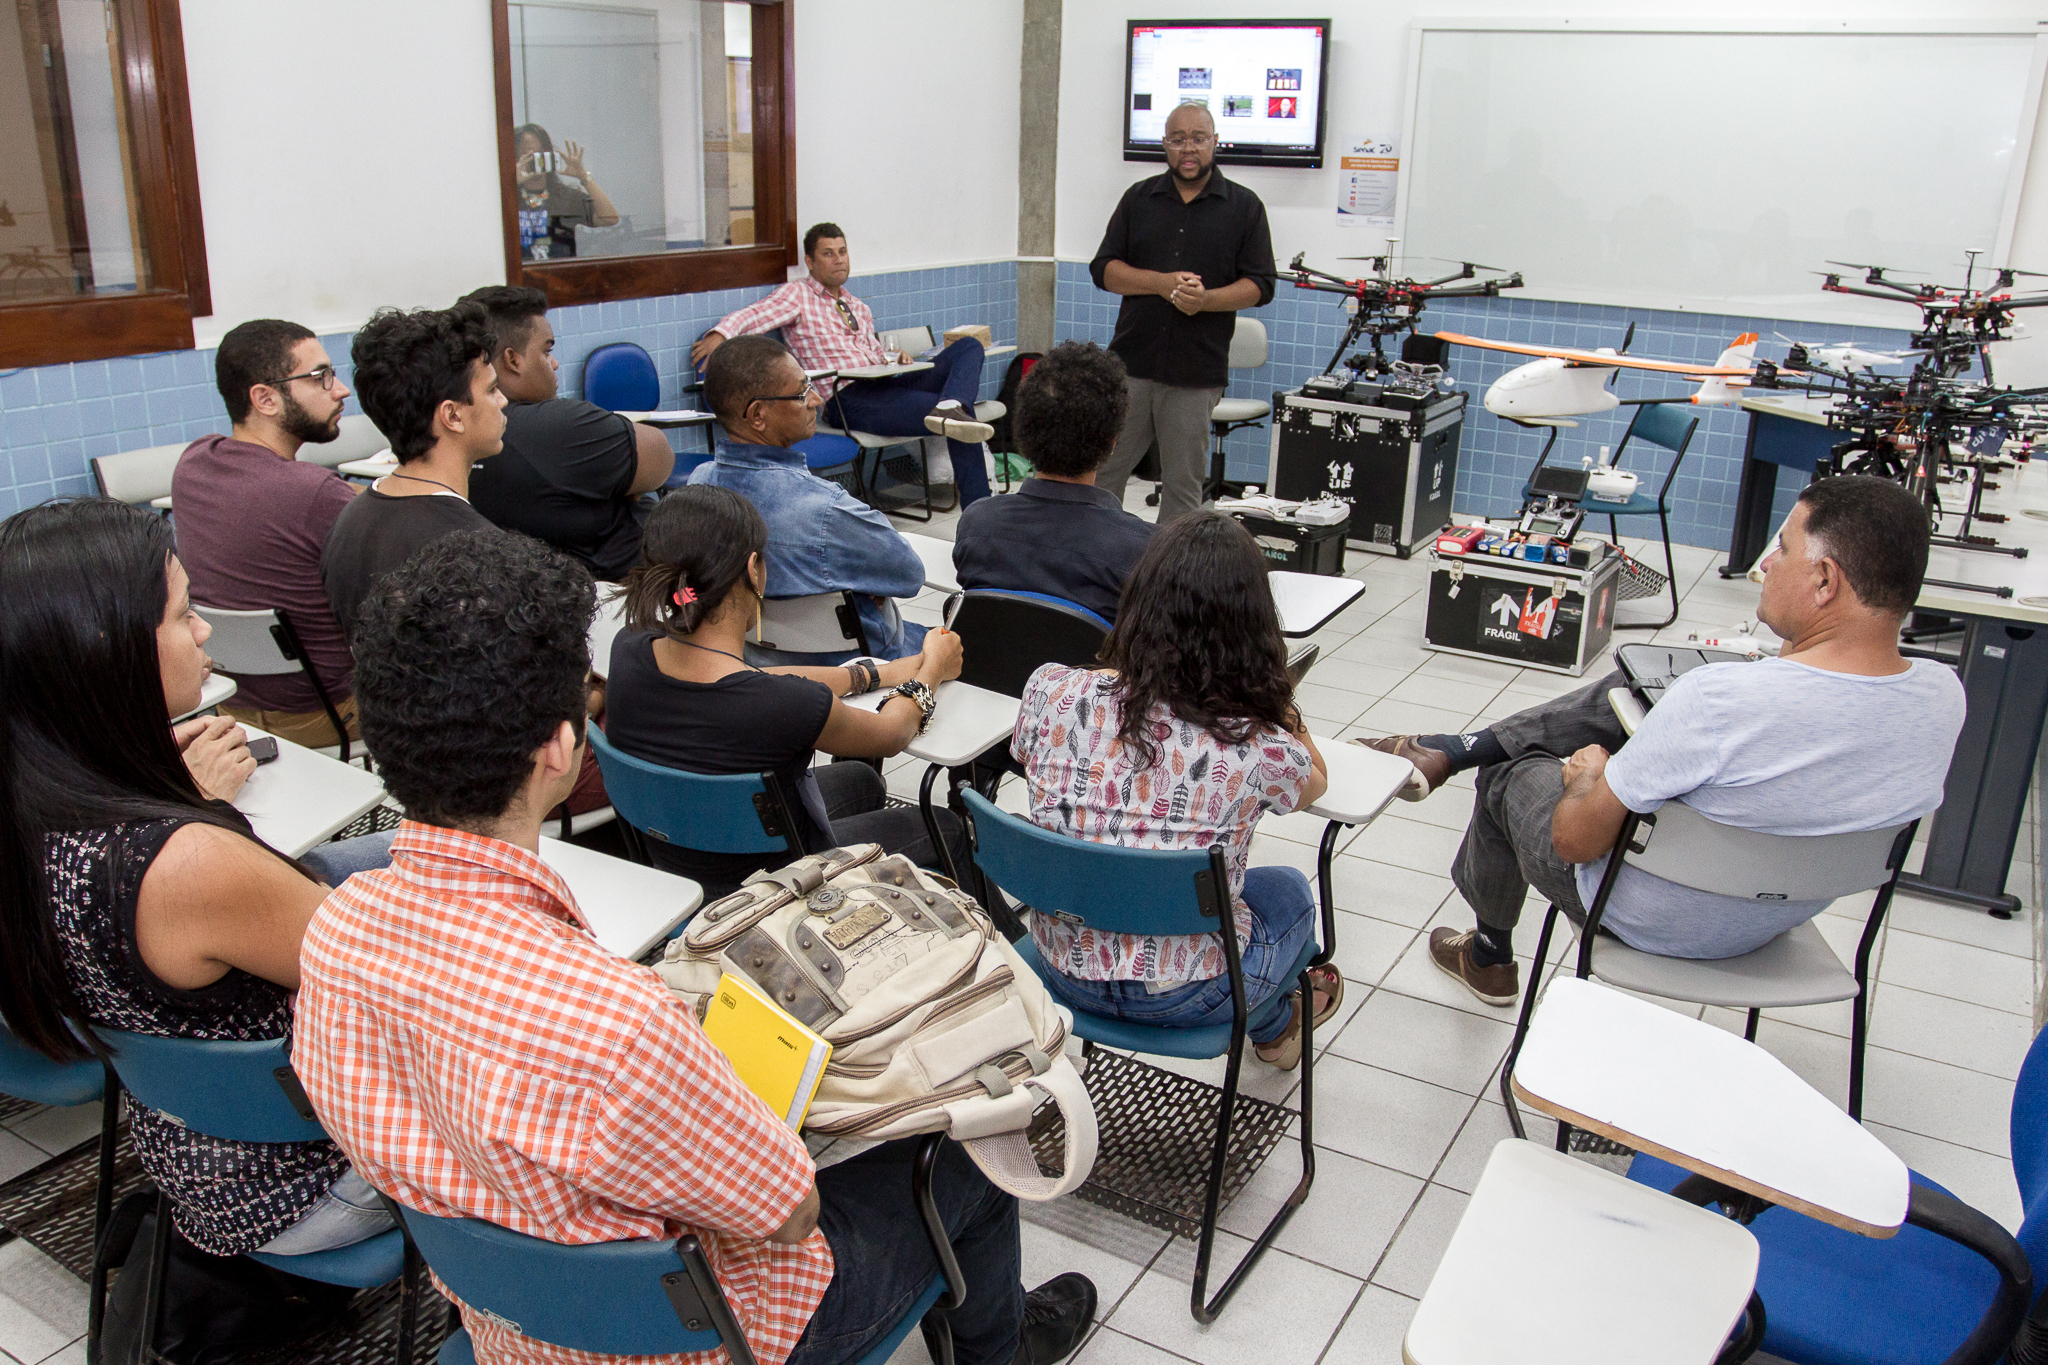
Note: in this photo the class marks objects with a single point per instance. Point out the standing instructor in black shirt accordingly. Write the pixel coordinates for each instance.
(1186, 249)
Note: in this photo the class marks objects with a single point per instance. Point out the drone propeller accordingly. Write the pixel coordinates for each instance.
(1853, 265)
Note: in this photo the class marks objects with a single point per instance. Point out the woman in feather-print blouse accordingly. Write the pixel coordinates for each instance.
(1184, 738)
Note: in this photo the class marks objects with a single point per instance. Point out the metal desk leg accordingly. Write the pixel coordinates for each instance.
(1971, 839)
(931, 822)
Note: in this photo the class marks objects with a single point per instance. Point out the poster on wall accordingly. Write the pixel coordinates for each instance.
(1368, 175)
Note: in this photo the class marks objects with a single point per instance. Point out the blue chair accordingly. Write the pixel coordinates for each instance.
(621, 376)
(642, 1298)
(245, 1092)
(1659, 424)
(1951, 1286)
(831, 455)
(29, 1075)
(741, 813)
(1157, 891)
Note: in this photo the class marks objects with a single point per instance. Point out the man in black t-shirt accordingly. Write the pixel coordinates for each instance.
(426, 380)
(571, 474)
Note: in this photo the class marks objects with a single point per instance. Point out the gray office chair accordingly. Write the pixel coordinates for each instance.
(359, 440)
(911, 341)
(1247, 352)
(263, 644)
(1797, 967)
(138, 476)
(821, 623)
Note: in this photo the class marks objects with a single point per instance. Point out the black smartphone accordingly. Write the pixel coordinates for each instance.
(263, 749)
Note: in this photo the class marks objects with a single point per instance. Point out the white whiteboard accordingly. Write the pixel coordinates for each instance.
(1714, 171)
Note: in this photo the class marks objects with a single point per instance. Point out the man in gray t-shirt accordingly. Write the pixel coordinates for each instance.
(1839, 733)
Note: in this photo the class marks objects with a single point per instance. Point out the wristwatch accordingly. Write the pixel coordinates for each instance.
(922, 695)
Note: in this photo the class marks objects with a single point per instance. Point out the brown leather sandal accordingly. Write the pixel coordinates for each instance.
(1284, 1052)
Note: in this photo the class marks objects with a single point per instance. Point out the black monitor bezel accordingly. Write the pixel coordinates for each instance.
(1311, 159)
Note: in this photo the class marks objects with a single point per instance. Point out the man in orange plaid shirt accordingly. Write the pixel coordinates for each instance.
(477, 1054)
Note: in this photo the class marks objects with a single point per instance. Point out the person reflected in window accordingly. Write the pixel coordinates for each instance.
(556, 194)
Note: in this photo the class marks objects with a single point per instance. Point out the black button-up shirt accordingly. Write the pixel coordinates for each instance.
(1070, 540)
(1221, 235)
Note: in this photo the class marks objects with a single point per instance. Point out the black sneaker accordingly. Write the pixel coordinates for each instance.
(1057, 1315)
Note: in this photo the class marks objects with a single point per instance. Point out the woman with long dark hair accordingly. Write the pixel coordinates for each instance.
(680, 693)
(132, 895)
(1185, 736)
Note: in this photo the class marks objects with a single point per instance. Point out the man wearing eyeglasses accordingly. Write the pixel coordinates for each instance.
(253, 517)
(829, 329)
(1186, 249)
(820, 537)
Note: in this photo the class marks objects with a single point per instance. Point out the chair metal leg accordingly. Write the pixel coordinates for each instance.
(409, 1298)
(103, 1207)
(1670, 565)
(159, 1267)
(1507, 1068)
(921, 1168)
(1207, 1311)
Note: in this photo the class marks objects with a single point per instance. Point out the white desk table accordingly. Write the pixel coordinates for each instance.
(938, 561)
(1514, 1284)
(630, 908)
(883, 371)
(671, 419)
(1628, 709)
(1702, 1098)
(217, 688)
(1307, 601)
(376, 467)
(302, 797)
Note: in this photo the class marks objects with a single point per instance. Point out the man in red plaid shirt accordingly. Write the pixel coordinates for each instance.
(829, 329)
(478, 1055)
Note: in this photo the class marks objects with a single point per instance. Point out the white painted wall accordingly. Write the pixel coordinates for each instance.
(348, 153)
(907, 127)
(1368, 83)
(347, 156)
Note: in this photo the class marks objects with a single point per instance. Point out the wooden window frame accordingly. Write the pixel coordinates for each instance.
(599, 279)
(59, 330)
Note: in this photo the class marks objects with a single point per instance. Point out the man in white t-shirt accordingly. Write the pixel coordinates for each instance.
(1838, 733)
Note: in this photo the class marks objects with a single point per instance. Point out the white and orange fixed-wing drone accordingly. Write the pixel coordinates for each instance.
(1567, 383)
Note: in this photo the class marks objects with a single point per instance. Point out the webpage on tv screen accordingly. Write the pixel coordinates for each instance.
(1261, 85)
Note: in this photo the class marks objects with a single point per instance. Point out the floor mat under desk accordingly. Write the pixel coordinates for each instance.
(1157, 1131)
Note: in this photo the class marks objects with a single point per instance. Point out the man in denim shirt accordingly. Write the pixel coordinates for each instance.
(820, 537)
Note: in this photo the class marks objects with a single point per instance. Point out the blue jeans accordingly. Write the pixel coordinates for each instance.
(334, 863)
(348, 1213)
(1283, 921)
(897, 406)
(882, 1260)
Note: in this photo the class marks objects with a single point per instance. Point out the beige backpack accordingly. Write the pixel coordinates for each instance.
(936, 1024)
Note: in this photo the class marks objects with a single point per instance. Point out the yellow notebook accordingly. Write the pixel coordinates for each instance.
(780, 1059)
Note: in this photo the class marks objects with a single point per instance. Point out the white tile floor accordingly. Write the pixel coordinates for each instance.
(1406, 1109)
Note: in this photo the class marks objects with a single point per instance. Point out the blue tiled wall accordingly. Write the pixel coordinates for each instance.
(1304, 327)
(55, 418)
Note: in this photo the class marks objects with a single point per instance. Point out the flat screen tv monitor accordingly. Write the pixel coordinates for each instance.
(1262, 80)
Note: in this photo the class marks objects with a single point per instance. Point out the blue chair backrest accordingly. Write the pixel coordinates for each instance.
(828, 450)
(27, 1074)
(222, 1089)
(1107, 886)
(604, 1297)
(1666, 424)
(1062, 603)
(2030, 1153)
(711, 814)
(621, 376)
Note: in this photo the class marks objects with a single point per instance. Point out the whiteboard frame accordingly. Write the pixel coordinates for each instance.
(2009, 207)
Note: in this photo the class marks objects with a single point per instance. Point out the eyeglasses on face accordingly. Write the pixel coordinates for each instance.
(1180, 142)
(323, 375)
(801, 396)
